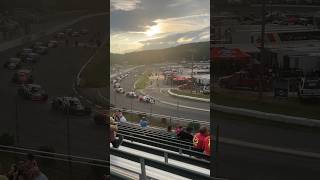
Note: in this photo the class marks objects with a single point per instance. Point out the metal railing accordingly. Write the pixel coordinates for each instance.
(161, 166)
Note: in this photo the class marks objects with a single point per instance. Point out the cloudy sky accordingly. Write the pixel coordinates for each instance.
(154, 24)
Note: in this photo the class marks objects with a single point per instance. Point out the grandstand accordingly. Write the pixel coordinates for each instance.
(153, 153)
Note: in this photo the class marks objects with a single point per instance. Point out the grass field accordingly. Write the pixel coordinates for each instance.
(143, 81)
(188, 93)
(94, 75)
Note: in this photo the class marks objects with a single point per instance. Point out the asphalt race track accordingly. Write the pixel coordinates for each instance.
(34, 122)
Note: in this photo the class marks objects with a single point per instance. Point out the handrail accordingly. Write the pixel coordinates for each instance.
(160, 165)
(168, 155)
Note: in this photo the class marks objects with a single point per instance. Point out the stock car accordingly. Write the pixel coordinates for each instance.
(70, 105)
(52, 44)
(36, 45)
(75, 34)
(114, 81)
(116, 85)
(24, 52)
(33, 92)
(120, 90)
(31, 58)
(12, 63)
(60, 35)
(41, 50)
(84, 31)
(22, 76)
(131, 94)
(146, 99)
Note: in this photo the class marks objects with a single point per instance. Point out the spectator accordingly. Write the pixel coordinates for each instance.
(119, 117)
(2, 176)
(186, 135)
(31, 167)
(198, 139)
(207, 147)
(178, 129)
(13, 173)
(113, 133)
(143, 122)
(171, 131)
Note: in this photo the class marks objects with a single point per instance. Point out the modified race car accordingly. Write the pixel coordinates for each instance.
(147, 99)
(12, 63)
(22, 76)
(120, 90)
(131, 94)
(33, 92)
(70, 105)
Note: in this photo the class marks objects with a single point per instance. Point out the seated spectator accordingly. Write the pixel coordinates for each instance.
(2, 176)
(31, 167)
(143, 122)
(207, 147)
(121, 118)
(198, 139)
(186, 135)
(171, 131)
(113, 133)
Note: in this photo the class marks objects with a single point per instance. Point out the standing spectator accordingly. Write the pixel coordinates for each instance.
(207, 147)
(2, 176)
(143, 122)
(31, 167)
(186, 135)
(113, 133)
(198, 139)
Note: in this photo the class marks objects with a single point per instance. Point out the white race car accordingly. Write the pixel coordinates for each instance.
(131, 94)
(120, 90)
(147, 99)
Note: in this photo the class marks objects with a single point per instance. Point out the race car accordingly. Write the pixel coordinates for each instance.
(22, 76)
(120, 90)
(70, 105)
(68, 31)
(60, 35)
(41, 50)
(52, 44)
(146, 99)
(84, 31)
(24, 52)
(12, 63)
(75, 34)
(131, 94)
(31, 58)
(116, 85)
(114, 81)
(33, 92)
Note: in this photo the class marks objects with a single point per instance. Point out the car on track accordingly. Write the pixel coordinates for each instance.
(120, 90)
(33, 92)
(31, 58)
(131, 94)
(68, 31)
(60, 35)
(147, 99)
(70, 105)
(24, 52)
(12, 63)
(41, 50)
(76, 34)
(84, 31)
(116, 85)
(36, 45)
(22, 76)
(52, 44)
(114, 81)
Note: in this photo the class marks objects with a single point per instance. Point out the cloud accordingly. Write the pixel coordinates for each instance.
(124, 5)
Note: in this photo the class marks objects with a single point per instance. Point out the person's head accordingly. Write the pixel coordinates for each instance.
(189, 130)
(169, 128)
(203, 130)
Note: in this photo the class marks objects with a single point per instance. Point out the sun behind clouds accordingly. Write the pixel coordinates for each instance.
(153, 30)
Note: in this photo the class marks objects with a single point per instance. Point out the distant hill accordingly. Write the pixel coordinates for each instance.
(200, 51)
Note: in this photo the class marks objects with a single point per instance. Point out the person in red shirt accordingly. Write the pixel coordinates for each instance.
(207, 147)
(198, 139)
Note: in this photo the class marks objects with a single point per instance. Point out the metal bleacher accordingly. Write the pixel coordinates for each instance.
(156, 148)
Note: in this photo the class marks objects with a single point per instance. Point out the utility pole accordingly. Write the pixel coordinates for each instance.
(263, 26)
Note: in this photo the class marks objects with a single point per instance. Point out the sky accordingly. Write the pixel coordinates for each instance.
(155, 24)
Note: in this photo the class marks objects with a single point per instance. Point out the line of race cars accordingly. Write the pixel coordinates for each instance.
(131, 94)
(23, 77)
